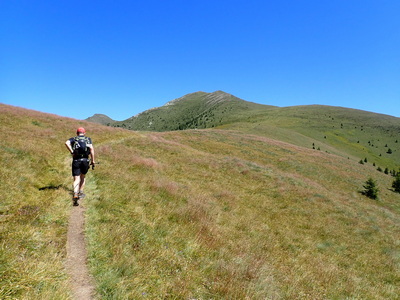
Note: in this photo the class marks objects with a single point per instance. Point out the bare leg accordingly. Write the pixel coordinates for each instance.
(77, 180)
(79, 183)
(82, 183)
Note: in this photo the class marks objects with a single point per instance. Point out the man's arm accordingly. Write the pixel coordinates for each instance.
(69, 147)
(91, 153)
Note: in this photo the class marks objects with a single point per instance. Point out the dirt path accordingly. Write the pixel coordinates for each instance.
(81, 283)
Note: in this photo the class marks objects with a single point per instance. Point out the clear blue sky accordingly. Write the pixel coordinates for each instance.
(77, 58)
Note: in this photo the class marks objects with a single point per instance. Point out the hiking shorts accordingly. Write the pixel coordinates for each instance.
(80, 166)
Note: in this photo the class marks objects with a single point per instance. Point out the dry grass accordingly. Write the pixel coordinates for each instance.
(226, 215)
(194, 215)
(33, 219)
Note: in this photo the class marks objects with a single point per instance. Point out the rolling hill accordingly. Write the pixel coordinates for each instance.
(246, 210)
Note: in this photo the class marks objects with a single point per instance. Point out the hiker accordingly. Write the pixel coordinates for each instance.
(80, 147)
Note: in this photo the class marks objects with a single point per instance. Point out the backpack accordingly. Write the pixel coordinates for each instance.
(80, 146)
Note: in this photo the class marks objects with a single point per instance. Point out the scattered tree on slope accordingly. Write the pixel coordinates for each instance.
(396, 183)
(371, 190)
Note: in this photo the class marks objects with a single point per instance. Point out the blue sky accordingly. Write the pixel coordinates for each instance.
(77, 58)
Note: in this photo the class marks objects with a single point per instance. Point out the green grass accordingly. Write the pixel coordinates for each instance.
(201, 214)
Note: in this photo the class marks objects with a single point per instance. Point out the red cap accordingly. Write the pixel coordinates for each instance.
(80, 130)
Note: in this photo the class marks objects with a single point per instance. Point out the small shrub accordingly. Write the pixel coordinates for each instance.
(370, 189)
(36, 123)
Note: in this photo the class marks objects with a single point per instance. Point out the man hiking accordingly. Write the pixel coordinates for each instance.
(80, 147)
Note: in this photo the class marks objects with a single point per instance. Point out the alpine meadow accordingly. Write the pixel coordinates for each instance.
(207, 197)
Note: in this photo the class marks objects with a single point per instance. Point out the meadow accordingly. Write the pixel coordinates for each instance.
(231, 213)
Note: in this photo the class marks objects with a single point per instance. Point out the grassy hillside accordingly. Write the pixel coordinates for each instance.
(347, 132)
(197, 214)
(196, 110)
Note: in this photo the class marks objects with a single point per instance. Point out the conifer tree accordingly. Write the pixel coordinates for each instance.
(396, 183)
(371, 190)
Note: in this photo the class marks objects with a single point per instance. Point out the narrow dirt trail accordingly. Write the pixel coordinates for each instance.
(81, 282)
(76, 263)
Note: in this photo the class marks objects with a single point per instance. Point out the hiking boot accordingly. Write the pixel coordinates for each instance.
(75, 199)
(81, 195)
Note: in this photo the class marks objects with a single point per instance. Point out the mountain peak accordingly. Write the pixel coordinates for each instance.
(188, 96)
(219, 96)
(210, 98)
(100, 119)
